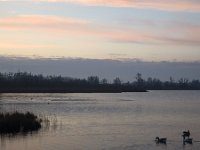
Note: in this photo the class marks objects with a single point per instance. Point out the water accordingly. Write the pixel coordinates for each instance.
(120, 121)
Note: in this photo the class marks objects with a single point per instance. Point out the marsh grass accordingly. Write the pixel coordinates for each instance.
(16, 122)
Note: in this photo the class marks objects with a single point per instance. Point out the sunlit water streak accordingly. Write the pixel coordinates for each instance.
(106, 121)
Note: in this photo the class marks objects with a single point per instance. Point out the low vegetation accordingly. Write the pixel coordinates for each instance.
(13, 123)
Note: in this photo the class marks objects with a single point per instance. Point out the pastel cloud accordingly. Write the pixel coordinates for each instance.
(41, 21)
(175, 5)
(16, 45)
(167, 5)
(55, 25)
(186, 34)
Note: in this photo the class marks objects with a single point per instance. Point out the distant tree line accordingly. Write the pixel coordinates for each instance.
(171, 84)
(27, 82)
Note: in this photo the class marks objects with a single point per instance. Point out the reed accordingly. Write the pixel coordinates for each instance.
(16, 122)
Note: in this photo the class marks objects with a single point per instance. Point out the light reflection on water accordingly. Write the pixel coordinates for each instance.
(106, 121)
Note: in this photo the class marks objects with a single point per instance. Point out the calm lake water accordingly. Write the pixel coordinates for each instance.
(124, 121)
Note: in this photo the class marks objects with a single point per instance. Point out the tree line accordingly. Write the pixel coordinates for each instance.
(28, 82)
(156, 84)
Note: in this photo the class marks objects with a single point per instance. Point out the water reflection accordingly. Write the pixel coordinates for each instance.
(106, 121)
(49, 124)
(1, 103)
(8, 138)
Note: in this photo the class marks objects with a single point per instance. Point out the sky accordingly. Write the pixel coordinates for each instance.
(147, 30)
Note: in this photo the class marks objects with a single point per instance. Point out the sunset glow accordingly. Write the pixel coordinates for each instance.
(101, 29)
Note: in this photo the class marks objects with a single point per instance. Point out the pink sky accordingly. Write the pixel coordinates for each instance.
(29, 33)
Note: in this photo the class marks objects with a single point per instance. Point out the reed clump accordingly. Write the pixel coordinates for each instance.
(16, 122)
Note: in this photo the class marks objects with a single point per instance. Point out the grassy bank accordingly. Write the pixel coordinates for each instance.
(13, 123)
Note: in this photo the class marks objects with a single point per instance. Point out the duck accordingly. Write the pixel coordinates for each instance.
(161, 140)
(188, 141)
(186, 134)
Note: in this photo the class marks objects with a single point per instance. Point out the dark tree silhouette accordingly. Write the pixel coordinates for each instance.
(27, 82)
(117, 81)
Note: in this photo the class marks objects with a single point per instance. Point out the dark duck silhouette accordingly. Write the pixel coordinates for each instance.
(187, 140)
(186, 134)
(161, 140)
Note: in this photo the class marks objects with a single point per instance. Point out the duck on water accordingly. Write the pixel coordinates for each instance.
(185, 135)
(187, 140)
(161, 140)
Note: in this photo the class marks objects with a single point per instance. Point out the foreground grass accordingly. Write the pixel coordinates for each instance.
(13, 123)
